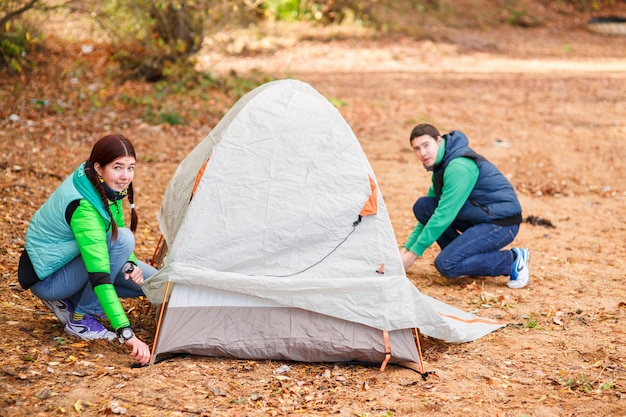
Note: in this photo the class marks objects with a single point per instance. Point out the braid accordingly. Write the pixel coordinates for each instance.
(93, 178)
(134, 219)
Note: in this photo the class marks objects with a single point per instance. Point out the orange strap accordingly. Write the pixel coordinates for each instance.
(387, 350)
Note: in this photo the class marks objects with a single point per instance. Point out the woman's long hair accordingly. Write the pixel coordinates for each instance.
(106, 150)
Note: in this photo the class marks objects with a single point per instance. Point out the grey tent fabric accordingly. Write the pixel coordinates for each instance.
(249, 328)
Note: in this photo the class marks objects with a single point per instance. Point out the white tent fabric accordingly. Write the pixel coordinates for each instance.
(275, 217)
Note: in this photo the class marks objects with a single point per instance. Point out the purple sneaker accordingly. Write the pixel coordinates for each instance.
(89, 328)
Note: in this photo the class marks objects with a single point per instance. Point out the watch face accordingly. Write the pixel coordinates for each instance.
(127, 334)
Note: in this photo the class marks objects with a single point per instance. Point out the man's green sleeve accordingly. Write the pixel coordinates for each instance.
(459, 180)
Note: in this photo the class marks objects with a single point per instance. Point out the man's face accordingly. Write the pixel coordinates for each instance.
(426, 148)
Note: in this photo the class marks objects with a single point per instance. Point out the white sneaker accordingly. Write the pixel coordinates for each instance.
(520, 274)
(89, 328)
(63, 309)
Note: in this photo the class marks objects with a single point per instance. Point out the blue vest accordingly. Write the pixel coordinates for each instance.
(493, 199)
(49, 241)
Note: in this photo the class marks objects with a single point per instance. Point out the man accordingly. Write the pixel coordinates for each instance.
(471, 211)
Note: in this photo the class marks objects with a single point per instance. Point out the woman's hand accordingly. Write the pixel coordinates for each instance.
(133, 273)
(140, 351)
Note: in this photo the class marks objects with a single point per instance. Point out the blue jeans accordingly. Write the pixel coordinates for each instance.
(72, 280)
(470, 249)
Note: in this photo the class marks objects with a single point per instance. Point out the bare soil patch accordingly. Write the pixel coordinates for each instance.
(545, 106)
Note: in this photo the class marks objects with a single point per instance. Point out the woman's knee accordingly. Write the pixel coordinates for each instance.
(148, 270)
(125, 239)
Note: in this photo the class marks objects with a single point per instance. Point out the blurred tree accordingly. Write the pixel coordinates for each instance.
(157, 39)
(16, 35)
(15, 40)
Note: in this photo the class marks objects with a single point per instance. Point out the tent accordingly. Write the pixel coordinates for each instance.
(279, 245)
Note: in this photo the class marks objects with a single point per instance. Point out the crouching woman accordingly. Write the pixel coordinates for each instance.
(79, 256)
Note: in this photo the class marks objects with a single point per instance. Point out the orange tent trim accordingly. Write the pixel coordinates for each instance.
(198, 178)
(475, 320)
(371, 205)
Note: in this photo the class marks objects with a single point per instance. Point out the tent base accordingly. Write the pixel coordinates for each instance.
(279, 333)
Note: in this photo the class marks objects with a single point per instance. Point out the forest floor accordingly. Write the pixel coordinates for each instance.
(545, 105)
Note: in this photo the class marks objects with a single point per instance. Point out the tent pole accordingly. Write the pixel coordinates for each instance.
(156, 250)
(416, 333)
(387, 350)
(158, 327)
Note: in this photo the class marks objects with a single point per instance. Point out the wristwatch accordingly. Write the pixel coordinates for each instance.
(125, 333)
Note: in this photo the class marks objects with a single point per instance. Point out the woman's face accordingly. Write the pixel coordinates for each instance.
(118, 174)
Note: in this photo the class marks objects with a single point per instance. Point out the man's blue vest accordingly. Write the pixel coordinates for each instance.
(493, 199)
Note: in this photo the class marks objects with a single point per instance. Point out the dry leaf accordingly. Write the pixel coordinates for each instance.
(218, 392)
(115, 408)
(78, 406)
(557, 318)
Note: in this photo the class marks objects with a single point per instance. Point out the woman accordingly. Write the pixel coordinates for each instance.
(79, 258)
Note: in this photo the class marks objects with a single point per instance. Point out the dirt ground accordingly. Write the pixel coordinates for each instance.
(546, 106)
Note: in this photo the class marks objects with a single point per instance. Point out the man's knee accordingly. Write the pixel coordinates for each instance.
(446, 268)
(424, 208)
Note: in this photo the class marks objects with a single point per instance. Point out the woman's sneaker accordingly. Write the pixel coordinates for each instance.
(520, 273)
(63, 309)
(88, 328)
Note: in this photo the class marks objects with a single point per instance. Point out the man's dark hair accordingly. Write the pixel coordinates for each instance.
(424, 129)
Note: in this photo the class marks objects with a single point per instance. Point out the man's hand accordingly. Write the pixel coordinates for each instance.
(408, 258)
